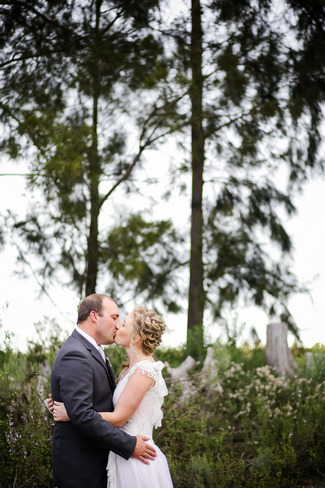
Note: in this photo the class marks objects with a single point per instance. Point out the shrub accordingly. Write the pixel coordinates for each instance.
(25, 424)
(257, 430)
(247, 428)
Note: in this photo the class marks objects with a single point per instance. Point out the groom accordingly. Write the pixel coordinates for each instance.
(83, 379)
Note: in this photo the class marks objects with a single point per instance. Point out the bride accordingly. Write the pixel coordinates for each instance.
(137, 399)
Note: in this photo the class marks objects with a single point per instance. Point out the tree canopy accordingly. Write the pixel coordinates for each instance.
(89, 87)
(72, 73)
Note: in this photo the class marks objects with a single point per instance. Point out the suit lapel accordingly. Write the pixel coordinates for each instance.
(96, 355)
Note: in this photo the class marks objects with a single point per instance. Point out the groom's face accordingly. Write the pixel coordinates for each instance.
(106, 322)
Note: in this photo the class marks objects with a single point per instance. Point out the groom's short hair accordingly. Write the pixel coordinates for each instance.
(91, 303)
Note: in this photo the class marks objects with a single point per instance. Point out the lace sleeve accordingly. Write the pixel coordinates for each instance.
(158, 391)
(147, 368)
(161, 392)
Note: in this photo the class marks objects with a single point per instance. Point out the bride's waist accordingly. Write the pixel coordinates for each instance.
(138, 428)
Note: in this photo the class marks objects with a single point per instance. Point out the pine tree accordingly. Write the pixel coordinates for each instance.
(255, 73)
(72, 77)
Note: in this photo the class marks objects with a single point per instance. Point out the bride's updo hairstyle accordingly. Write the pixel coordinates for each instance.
(149, 326)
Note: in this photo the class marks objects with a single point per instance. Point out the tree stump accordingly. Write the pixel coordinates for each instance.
(277, 352)
(180, 377)
(209, 373)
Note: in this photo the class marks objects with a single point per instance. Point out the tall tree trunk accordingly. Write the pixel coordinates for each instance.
(92, 254)
(196, 289)
(94, 171)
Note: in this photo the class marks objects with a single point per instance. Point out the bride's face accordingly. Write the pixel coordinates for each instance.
(124, 332)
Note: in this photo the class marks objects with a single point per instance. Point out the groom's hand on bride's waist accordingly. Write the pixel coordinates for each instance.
(144, 451)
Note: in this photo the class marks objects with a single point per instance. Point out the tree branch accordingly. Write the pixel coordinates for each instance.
(149, 140)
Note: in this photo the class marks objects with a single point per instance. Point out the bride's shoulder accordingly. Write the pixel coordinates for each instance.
(147, 367)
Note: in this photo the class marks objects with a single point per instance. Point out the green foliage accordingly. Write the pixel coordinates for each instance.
(249, 358)
(25, 424)
(26, 442)
(312, 364)
(245, 428)
(200, 473)
(117, 357)
(174, 357)
(82, 83)
(71, 72)
(150, 253)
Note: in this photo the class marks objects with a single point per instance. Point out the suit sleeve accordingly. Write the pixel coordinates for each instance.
(75, 377)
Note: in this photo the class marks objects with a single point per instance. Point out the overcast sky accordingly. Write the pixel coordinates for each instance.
(21, 307)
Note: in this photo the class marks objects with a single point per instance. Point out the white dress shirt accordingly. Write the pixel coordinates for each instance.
(93, 342)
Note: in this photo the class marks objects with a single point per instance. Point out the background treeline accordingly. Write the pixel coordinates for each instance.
(117, 110)
(245, 427)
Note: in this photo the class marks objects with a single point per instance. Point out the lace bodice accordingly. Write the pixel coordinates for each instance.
(149, 413)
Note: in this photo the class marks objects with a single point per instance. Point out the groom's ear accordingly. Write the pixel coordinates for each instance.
(93, 316)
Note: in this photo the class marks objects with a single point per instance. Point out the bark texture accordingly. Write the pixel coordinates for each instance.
(277, 352)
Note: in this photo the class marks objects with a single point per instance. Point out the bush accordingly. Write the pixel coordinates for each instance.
(25, 430)
(247, 428)
(25, 424)
(252, 429)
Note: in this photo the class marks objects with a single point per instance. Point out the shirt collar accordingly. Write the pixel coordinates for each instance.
(88, 337)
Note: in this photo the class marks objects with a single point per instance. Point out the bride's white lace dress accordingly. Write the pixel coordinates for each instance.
(132, 473)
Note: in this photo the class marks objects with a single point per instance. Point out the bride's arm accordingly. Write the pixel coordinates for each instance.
(130, 399)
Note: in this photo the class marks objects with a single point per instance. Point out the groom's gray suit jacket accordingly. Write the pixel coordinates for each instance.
(80, 447)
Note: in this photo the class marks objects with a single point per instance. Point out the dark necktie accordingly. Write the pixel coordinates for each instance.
(110, 373)
(108, 367)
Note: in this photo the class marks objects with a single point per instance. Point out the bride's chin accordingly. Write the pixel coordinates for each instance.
(119, 342)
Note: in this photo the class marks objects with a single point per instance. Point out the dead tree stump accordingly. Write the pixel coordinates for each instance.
(277, 352)
(180, 377)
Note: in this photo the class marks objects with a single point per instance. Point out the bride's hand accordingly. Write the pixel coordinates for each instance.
(59, 412)
(49, 403)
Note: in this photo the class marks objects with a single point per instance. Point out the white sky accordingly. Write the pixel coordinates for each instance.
(21, 307)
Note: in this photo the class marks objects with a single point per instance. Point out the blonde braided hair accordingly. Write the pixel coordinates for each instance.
(149, 326)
